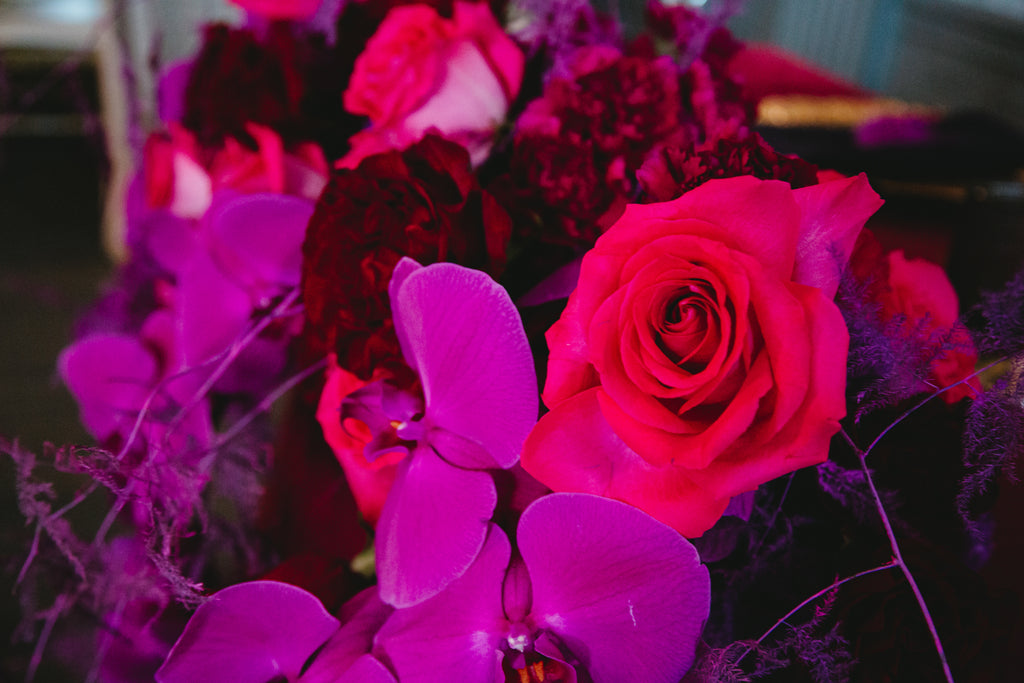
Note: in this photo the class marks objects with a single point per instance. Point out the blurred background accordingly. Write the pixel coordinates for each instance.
(77, 94)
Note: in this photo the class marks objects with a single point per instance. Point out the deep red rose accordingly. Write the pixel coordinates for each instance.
(670, 171)
(423, 203)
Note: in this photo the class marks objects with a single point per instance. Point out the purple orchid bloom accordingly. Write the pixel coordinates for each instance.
(249, 257)
(598, 590)
(461, 334)
(115, 376)
(265, 631)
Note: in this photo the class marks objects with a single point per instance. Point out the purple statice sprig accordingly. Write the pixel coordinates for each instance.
(556, 28)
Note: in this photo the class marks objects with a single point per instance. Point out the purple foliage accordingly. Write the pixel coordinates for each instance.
(850, 489)
(557, 27)
(814, 647)
(993, 441)
(998, 319)
(887, 362)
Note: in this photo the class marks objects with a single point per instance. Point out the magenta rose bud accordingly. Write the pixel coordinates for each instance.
(701, 353)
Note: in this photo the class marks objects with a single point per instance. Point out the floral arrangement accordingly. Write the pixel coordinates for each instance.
(480, 342)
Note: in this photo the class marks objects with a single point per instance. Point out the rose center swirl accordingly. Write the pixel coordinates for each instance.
(690, 329)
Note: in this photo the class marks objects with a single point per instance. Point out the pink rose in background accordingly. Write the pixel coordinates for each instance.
(921, 291)
(182, 177)
(280, 9)
(421, 71)
(701, 353)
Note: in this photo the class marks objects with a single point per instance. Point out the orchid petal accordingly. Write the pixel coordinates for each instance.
(257, 238)
(460, 331)
(214, 310)
(254, 631)
(431, 528)
(362, 617)
(559, 285)
(457, 634)
(365, 670)
(110, 376)
(646, 628)
(170, 240)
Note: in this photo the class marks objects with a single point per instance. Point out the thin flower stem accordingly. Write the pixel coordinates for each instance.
(74, 502)
(233, 352)
(111, 516)
(55, 613)
(223, 360)
(775, 515)
(899, 561)
(925, 400)
(267, 402)
(832, 586)
(32, 552)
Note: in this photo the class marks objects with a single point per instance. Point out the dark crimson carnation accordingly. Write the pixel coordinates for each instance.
(693, 34)
(625, 107)
(670, 171)
(579, 145)
(237, 79)
(423, 203)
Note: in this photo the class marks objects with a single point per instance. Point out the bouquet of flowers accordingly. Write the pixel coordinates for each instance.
(482, 342)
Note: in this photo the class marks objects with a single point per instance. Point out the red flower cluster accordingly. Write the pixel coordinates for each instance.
(237, 79)
(423, 203)
(579, 145)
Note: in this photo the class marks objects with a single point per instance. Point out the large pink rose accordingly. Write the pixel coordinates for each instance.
(421, 71)
(701, 353)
